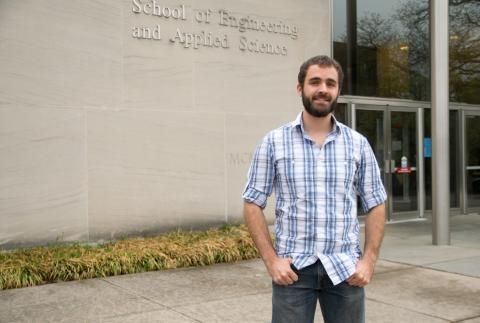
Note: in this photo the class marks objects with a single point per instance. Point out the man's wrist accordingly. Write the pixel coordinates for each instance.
(270, 259)
(370, 257)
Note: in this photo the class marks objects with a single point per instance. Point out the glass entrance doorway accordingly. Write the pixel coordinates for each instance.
(392, 133)
(472, 162)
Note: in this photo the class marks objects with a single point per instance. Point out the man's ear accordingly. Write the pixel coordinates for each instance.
(299, 89)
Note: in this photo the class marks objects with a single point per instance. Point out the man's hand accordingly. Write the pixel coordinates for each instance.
(363, 273)
(281, 272)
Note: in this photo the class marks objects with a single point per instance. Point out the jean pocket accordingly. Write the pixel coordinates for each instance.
(295, 270)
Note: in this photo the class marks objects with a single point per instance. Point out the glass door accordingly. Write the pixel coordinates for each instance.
(392, 133)
(472, 162)
(403, 158)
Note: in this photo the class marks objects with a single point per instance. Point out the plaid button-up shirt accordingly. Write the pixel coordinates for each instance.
(316, 192)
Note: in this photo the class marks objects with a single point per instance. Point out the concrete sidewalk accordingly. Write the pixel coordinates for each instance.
(414, 282)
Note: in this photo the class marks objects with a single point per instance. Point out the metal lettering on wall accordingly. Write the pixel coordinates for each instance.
(229, 21)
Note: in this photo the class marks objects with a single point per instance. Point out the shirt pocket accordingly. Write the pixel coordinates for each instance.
(345, 174)
(290, 177)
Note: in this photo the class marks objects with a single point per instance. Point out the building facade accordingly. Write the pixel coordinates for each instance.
(134, 117)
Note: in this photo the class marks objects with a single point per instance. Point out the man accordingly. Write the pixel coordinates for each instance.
(317, 167)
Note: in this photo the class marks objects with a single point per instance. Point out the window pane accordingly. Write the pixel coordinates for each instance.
(465, 51)
(341, 112)
(383, 46)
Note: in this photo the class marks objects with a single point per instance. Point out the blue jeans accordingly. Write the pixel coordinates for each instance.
(296, 303)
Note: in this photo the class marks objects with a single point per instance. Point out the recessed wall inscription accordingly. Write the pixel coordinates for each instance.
(255, 34)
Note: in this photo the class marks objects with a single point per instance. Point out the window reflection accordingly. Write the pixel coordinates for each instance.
(389, 57)
(341, 112)
(465, 51)
(384, 48)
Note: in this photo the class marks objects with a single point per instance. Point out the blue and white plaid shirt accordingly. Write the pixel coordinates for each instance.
(316, 190)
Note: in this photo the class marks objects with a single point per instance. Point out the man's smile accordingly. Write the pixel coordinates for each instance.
(321, 98)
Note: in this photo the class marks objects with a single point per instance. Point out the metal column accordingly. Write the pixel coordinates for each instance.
(463, 163)
(440, 124)
(420, 163)
(352, 47)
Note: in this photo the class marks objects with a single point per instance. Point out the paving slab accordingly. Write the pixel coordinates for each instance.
(248, 308)
(423, 254)
(469, 266)
(161, 316)
(378, 312)
(411, 243)
(195, 285)
(78, 301)
(433, 293)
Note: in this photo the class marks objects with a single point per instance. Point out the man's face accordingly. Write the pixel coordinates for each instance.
(320, 90)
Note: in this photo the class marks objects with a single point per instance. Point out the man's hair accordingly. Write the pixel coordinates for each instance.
(323, 61)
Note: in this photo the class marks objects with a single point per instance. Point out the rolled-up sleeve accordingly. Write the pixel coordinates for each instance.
(370, 186)
(260, 175)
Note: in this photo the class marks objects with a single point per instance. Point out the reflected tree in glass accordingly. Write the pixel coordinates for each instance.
(465, 51)
(393, 51)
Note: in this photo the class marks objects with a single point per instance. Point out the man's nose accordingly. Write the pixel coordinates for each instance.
(322, 87)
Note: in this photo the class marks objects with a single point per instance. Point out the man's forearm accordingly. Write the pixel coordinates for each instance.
(374, 230)
(258, 228)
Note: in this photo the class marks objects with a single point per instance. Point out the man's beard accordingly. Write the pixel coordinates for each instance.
(315, 112)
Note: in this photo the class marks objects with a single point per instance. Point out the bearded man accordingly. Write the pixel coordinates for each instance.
(317, 167)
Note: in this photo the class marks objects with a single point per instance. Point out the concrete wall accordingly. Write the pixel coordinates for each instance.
(112, 124)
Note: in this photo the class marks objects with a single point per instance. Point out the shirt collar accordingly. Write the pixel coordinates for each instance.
(298, 122)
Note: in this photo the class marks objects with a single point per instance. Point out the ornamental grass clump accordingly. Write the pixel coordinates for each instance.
(35, 266)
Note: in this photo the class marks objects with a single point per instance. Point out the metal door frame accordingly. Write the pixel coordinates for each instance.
(464, 113)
